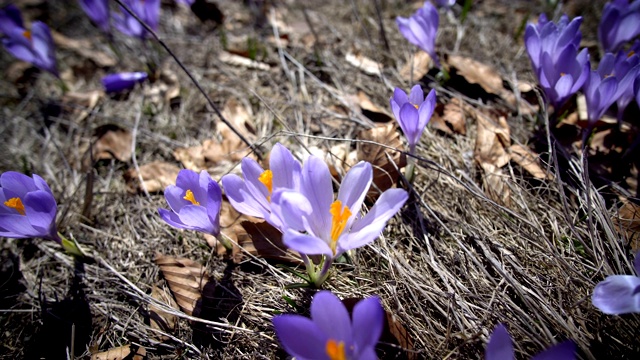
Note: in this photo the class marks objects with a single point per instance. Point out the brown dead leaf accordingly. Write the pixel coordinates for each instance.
(165, 90)
(231, 226)
(529, 161)
(484, 75)
(267, 242)
(371, 110)
(80, 104)
(416, 70)
(363, 63)
(160, 319)
(120, 353)
(495, 184)
(454, 116)
(385, 161)
(186, 279)
(628, 224)
(84, 48)
(491, 140)
(156, 176)
(113, 142)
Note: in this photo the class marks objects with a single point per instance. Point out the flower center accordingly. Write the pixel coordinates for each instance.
(340, 215)
(27, 34)
(267, 179)
(189, 197)
(563, 74)
(415, 106)
(335, 350)
(630, 54)
(15, 203)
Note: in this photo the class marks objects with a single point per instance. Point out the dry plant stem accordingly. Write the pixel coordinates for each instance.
(257, 151)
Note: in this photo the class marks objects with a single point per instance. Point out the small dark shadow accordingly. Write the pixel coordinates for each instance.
(11, 285)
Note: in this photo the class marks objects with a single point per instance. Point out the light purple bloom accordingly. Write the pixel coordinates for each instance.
(122, 81)
(35, 46)
(553, 51)
(331, 333)
(253, 194)
(413, 112)
(500, 347)
(319, 225)
(98, 12)
(601, 89)
(195, 202)
(147, 10)
(27, 207)
(620, 23)
(421, 29)
(626, 70)
(619, 294)
(445, 3)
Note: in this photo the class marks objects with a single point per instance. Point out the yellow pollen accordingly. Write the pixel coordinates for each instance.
(267, 179)
(335, 350)
(27, 34)
(563, 74)
(631, 53)
(415, 106)
(340, 216)
(15, 203)
(189, 197)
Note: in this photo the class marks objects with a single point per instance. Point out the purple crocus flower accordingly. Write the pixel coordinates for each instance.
(35, 46)
(122, 81)
(500, 347)
(445, 3)
(626, 70)
(620, 23)
(195, 202)
(330, 333)
(252, 195)
(147, 10)
(553, 51)
(619, 294)
(413, 112)
(28, 208)
(319, 225)
(421, 29)
(98, 12)
(601, 89)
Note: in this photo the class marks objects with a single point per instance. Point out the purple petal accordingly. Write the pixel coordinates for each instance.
(40, 208)
(11, 20)
(409, 120)
(251, 171)
(18, 183)
(400, 97)
(306, 244)
(175, 198)
(500, 346)
(533, 45)
(405, 30)
(172, 219)
(240, 197)
(292, 208)
(563, 351)
(636, 264)
(416, 96)
(617, 295)
(285, 168)
(564, 85)
(425, 111)
(214, 203)
(300, 336)
(331, 316)
(17, 226)
(190, 180)
(195, 217)
(44, 48)
(318, 189)
(368, 321)
(122, 81)
(355, 185)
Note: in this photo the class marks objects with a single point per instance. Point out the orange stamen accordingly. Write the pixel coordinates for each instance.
(27, 34)
(631, 53)
(15, 203)
(267, 179)
(189, 197)
(335, 350)
(340, 216)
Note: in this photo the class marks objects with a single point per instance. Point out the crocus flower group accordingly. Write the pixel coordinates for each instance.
(620, 23)
(34, 46)
(147, 10)
(98, 12)
(619, 294)
(421, 29)
(500, 347)
(553, 51)
(27, 207)
(122, 81)
(330, 333)
(413, 112)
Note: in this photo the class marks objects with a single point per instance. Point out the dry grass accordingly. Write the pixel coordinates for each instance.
(450, 267)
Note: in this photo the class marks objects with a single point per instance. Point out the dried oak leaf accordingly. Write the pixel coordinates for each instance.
(450, 118)
(371, 110)
(113, 142)
(529, 161)
(186, 279)
(491, 140)
(156, 176)
(418, 68)
(496, 184)
(84, 48)
(165, 90)
(120, 353)
(627, 223)
(359, 61)
(484, 75)
(385, 161)
(267, 242)
(159, 318)
(80, 104)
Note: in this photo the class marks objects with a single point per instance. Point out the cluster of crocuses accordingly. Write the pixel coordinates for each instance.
(562, 69)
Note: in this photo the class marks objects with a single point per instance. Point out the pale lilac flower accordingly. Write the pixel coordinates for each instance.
(619, 294)
(330, 333)
(98, 12)
(421, 28)
(35, 46)
(253, 195)
(600, 89)
(445, 3)
(319, 225)
(626, 70)
(123, 81)
(27, 207)
(553, 51)
(413, 112)
(147, 10)
(500, 347)
(195, 202)
(620, 22)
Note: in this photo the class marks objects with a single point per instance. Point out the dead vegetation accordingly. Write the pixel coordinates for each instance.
(486, 237)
